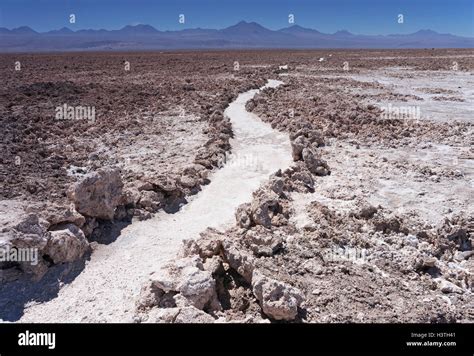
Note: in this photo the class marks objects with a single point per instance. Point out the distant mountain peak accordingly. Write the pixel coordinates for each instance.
(64, 30)
(297, 29)
(421, 33)
(343, 33)
(426, 32)
(246, 26)
(140, 28)
(246, 23)
(294, 28)
(23, 30)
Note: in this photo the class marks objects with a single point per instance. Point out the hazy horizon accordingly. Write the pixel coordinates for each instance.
(368, 17)
(230, 25)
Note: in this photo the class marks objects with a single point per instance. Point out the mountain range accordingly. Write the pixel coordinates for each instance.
(241, 35)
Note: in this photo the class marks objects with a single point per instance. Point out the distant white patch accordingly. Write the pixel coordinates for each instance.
(76, 171)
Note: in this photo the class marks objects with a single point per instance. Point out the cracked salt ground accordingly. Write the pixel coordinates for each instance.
(432, 87)
(107, 288)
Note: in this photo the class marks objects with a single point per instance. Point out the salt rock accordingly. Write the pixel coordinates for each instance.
(187, 277)
(207, 245)
(57, 214)
(263, 207)
(161, 315)
(278, 300)
(297, 146)
(66, 245)
(191, 314)
(98, 193)
(178, 315)
(243, 216)
(238, 259)
(448, 287)
(197, 286)
(22, 231)
(210, 243)
(277, 184)
(315, 165)
(151, 200)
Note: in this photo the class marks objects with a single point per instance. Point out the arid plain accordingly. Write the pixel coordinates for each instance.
(308, 186)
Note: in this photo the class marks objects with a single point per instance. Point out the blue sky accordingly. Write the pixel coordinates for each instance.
(358, 16)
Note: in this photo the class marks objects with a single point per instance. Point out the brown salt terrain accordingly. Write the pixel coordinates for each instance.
(158, 132)
(372, 223)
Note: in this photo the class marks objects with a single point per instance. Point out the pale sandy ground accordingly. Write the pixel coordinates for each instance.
(363, 174)
(394, 178)
(456, 83)
(107, 288)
